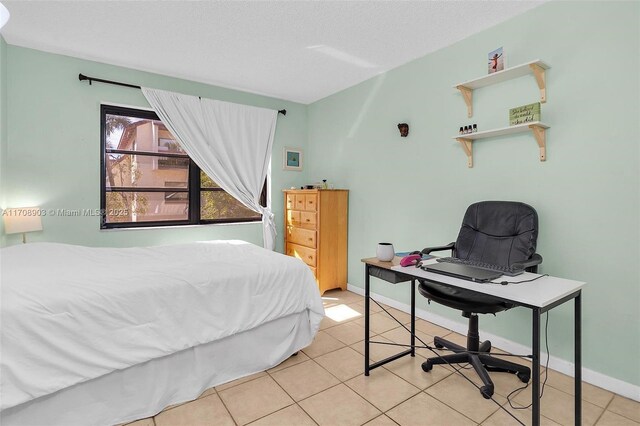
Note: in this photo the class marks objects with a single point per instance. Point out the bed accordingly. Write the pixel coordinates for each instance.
(110, 335)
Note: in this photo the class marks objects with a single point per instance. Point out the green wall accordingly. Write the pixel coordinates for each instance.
(414, 191)
(3, 128)
(53, 154)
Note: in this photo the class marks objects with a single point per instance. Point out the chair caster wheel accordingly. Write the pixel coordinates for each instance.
(485, 347)
(438, 345)
(524, 377)
(486, 391)
(427, 366)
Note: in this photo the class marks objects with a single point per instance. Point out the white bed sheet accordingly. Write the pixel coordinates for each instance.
(72, 314)
(145, 389)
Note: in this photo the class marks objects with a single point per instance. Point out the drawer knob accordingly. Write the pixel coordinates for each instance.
(310, 239)
(310, 257)
(308, 220)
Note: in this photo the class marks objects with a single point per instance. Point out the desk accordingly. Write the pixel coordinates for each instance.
(540, 296)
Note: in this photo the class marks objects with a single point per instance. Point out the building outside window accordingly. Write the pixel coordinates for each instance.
(149, 180)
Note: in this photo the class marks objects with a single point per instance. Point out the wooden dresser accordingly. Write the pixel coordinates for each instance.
(316, 232)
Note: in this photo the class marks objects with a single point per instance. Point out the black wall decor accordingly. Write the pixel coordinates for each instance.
(404, 129)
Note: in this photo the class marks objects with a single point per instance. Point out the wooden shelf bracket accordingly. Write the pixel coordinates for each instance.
(539, 133)
(467, 94)
(536, 67)
(467, 145)
(539, 74)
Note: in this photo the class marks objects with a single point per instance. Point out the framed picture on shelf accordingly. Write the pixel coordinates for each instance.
(496, 60)
(292, 159)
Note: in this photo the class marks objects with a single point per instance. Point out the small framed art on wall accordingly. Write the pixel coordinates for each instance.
(292, 159)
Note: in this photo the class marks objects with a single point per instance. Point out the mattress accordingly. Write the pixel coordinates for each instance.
(71, 314)
(145, 389)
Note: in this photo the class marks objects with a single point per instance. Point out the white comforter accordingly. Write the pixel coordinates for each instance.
(72, 313)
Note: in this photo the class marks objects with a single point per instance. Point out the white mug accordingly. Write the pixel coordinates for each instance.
(385, 252)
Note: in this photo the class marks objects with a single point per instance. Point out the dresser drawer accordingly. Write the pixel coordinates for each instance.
(305, 237)
(313, 270)
(299, 202)
(291, 201)
(308, 219)
(306, 254)
(310, 202)
(293, 217)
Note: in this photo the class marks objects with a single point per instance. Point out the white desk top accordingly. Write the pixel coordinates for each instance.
(539, 293)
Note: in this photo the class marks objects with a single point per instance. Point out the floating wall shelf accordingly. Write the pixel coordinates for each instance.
(537, 68)
(537, 128)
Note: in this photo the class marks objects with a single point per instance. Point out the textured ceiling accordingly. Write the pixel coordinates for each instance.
(294, 50)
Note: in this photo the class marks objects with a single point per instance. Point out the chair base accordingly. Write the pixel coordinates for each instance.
(480, 359)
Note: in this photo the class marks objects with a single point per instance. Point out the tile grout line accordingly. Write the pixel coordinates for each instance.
(394, 374)
(282, 409)
(311, 396)
(308, 414)
(194, 400)
(462, 414)
(233, 419)
(411, 384)
(339, 381)
(605, 410)
(285, 391)
(350, 319)
(421, 390)
(583, 400)
(385, 414)
(622, 415)
(370, 402)
(278, 384)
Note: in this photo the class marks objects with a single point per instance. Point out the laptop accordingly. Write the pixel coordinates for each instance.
(463, 272)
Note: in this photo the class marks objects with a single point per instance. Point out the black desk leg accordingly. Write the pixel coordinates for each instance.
(366, 319)
(413, 317)
(535, 390)
(577, 344)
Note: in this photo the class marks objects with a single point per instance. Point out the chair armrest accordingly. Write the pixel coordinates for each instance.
(428, 250)
(535, 260)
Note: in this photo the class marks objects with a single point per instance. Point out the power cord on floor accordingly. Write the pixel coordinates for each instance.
(546, 370)
(458, 369)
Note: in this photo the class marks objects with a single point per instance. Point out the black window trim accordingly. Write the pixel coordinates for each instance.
(194, 185)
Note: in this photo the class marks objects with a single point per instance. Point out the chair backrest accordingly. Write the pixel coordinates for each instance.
(498, 232)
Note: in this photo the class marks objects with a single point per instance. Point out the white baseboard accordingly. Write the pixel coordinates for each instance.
(612, 384)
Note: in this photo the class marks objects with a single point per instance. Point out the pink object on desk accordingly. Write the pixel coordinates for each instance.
(410, 260)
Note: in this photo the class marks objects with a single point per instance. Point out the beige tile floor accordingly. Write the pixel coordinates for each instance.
(324, 385)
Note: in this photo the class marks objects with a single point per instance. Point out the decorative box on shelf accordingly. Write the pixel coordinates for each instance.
(524, 114)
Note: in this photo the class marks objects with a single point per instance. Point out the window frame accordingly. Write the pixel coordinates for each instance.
(194, 184)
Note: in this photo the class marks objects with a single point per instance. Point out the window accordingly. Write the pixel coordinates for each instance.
(148, 180)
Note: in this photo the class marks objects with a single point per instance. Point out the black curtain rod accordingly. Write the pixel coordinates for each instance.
(83, 77)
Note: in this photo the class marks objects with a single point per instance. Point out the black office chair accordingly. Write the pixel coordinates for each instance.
(497, 232)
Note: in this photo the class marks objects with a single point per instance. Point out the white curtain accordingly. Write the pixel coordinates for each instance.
(230, 142)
